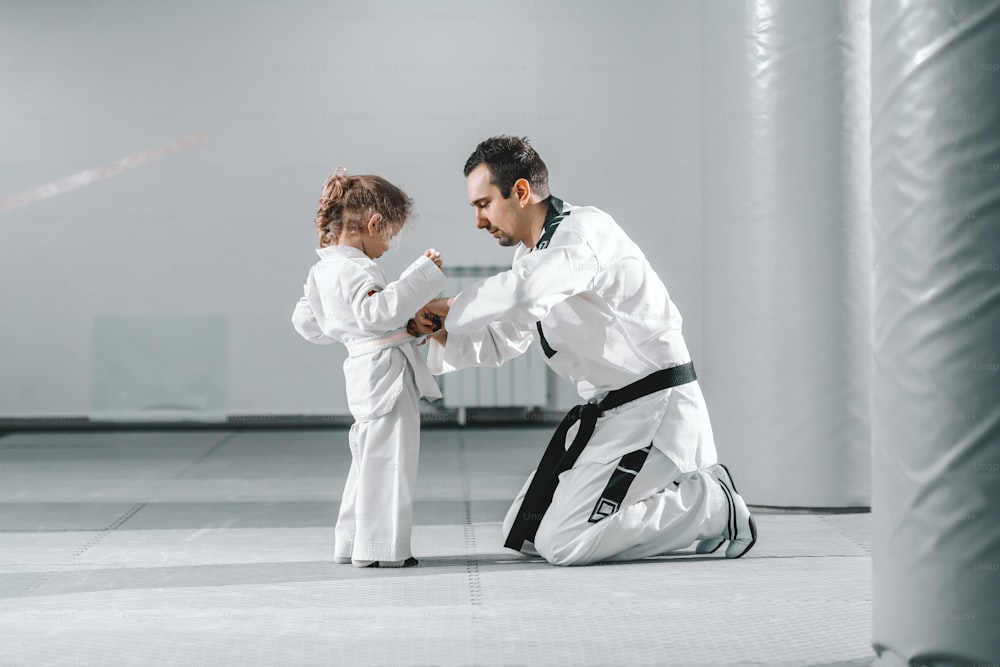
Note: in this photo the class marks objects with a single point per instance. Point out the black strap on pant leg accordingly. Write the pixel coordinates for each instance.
(558, 458)
(619, 483)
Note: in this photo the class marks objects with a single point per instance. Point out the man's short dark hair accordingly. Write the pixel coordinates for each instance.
(509, 159)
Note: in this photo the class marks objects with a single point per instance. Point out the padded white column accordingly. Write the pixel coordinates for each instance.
(936, 417)
(787, 256)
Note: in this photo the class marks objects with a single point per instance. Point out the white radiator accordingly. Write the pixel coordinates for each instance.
(522, 382)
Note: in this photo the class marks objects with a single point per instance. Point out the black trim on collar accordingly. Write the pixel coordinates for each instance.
(553, 216)
(555, 209)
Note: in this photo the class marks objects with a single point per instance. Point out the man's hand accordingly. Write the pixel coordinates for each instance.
(440, 337)
(431, 318)
(439, 307)
(424, 322)
(413, 329)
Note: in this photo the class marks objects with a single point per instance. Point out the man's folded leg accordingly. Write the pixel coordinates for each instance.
(591, 519)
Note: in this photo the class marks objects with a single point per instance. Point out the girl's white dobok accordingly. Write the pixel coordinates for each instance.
(348, 300)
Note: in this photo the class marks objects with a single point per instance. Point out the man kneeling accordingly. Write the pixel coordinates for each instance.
(639, 477)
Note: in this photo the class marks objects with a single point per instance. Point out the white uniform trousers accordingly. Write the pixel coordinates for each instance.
(376, 511)
(656, 516)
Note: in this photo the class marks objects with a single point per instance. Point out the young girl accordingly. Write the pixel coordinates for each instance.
(348, 300)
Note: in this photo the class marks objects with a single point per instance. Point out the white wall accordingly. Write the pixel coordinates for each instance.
(166, 290)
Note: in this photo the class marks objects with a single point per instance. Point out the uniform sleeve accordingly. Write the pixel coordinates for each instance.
(380, 308)
(525, 294)
(304, 321)
(491, 346)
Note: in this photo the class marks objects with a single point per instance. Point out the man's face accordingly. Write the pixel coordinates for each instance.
(502, 218)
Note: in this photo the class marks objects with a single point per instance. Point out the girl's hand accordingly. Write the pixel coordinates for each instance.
(434, 255)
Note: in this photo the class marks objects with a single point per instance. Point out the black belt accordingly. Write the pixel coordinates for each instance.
(558, 459)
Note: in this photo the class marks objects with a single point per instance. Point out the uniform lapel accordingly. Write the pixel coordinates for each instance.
(553, 217)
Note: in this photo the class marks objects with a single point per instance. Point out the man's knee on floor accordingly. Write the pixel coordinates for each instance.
(556, 545)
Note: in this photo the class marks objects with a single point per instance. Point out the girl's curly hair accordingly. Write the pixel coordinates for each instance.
(349, 202)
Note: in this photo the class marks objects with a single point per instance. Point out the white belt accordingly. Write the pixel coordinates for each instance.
(422, 376)
(371, 345)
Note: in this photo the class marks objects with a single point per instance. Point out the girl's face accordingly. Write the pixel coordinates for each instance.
(375, 241)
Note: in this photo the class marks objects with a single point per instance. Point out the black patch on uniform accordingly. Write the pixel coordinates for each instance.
(546, 348)
(621, 479)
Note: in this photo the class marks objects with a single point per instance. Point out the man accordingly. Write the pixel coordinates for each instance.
(640, 477)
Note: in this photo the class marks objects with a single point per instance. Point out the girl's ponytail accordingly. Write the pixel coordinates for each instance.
(349, 202)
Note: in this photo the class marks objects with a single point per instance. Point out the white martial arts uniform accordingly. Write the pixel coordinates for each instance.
(603, 319)
(348, 300)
